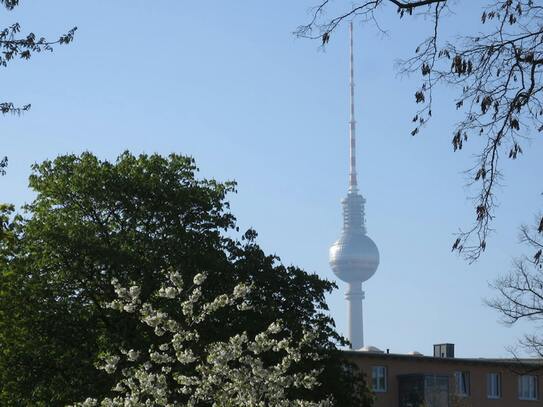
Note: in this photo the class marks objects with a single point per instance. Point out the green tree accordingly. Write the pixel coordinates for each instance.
(94, 221)
(13, 46)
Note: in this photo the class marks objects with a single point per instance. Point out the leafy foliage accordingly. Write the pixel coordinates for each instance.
(94, 221)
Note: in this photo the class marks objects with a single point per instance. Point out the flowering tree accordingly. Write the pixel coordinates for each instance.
(93, 221)
(241, 371)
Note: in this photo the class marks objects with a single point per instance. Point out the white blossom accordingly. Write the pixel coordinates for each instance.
(89, 403)
(133, 355)
(167, 292)
(228, 373)
(275, 327)
(241, 290)
(176, 279)
(110, 363)
(134, 292)
(199, 278)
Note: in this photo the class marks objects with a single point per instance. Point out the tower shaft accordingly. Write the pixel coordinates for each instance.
(354, 297)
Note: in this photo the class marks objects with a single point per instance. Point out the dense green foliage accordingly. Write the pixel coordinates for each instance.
(92, 221)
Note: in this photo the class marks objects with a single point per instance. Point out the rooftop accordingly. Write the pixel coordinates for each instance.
(535, 362)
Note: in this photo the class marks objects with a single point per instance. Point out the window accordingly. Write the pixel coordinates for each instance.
(462, 383)
(493, 385)
(379, 379)
(527, 387)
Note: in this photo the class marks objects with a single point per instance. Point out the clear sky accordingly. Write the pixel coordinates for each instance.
(227, 82)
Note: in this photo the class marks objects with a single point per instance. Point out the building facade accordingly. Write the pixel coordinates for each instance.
(415, 380)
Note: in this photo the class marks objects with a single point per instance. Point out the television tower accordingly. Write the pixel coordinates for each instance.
(354, 257)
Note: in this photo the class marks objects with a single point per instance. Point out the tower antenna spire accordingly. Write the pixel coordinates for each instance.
(353, 184)
(354, 257)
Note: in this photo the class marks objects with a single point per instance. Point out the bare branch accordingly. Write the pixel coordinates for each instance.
(520, 293)
(414, 4)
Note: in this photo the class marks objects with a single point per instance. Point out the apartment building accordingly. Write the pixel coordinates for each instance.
(441, 380)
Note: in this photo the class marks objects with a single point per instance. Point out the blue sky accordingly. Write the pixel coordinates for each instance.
(228, 83)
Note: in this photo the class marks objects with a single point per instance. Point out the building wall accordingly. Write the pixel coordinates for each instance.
(403, 364)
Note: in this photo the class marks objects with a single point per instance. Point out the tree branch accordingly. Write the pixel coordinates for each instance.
(415, 4)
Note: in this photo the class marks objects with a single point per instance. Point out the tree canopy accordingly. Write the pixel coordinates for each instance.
(93, 221)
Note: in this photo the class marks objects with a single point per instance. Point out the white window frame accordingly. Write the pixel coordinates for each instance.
(528, 387)
(494, 385)
(377, 373)
(462, 383)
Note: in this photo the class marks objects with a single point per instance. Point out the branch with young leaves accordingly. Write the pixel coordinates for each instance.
(12, 47)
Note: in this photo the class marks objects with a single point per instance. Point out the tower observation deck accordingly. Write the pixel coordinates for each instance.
(354, 257)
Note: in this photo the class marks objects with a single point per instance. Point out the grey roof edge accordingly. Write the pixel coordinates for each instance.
(530, 363)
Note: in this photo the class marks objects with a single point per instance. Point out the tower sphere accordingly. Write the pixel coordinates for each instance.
(354, 258)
